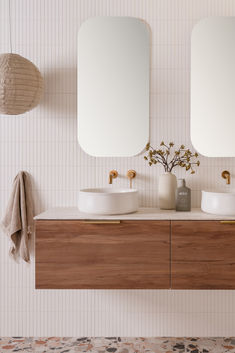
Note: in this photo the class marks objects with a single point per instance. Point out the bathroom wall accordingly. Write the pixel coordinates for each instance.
(44, 143)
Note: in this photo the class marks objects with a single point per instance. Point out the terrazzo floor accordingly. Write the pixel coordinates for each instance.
(116, 344)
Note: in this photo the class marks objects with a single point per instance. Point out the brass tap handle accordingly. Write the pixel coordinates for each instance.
(112, 175)
(226, 175)
(131, 174)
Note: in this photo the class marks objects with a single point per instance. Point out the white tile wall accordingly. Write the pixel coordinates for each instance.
(44, 143)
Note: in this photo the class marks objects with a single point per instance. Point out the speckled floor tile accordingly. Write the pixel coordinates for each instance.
(117, 345)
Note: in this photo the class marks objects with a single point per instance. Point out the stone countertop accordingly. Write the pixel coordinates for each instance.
(73, 213)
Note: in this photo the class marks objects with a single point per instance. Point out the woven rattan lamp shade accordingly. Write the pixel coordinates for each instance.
(21, 84)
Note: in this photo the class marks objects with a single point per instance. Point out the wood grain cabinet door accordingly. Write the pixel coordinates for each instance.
(79, 255)
(203, 255)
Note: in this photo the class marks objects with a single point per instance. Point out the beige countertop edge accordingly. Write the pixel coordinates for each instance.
(73, 213)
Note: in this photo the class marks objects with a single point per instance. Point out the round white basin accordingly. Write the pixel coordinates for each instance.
(219, 203)
(108, 201)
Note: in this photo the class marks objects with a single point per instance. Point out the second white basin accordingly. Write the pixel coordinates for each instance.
(219, 203)
(108, 201)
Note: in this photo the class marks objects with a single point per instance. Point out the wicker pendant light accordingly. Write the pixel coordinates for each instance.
(21, 84)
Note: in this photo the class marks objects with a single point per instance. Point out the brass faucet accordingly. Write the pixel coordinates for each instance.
(226, 175)
(131, 174)
(112, 175)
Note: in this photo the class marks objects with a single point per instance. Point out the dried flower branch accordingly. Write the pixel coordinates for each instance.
(180, 157)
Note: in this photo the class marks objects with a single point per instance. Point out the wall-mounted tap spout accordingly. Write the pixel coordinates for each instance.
(226, 175)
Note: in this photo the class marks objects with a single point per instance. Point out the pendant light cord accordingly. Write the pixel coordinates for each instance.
(9, 16)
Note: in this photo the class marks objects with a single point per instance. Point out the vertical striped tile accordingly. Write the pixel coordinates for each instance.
(44, 142)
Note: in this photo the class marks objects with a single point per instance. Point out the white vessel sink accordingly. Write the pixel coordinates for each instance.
(108, 201)
(220, 203)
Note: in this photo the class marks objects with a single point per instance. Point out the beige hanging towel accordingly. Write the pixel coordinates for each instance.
(17, 223)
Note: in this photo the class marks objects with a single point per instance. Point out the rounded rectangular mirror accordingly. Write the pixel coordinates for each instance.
(113, 86)
(213, 87)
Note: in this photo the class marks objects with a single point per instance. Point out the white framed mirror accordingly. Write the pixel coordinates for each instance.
(113, 86)
(213, 87)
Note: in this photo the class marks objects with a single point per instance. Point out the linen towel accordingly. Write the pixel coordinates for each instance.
(17, 223)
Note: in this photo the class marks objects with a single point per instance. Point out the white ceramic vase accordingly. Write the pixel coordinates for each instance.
(166, 191)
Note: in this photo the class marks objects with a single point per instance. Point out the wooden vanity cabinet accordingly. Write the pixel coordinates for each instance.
(85, 255)
(77, 254)
(202, 255)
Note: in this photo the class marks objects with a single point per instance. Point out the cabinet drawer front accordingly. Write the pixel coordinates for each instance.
(76, 254)
(203, 255)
